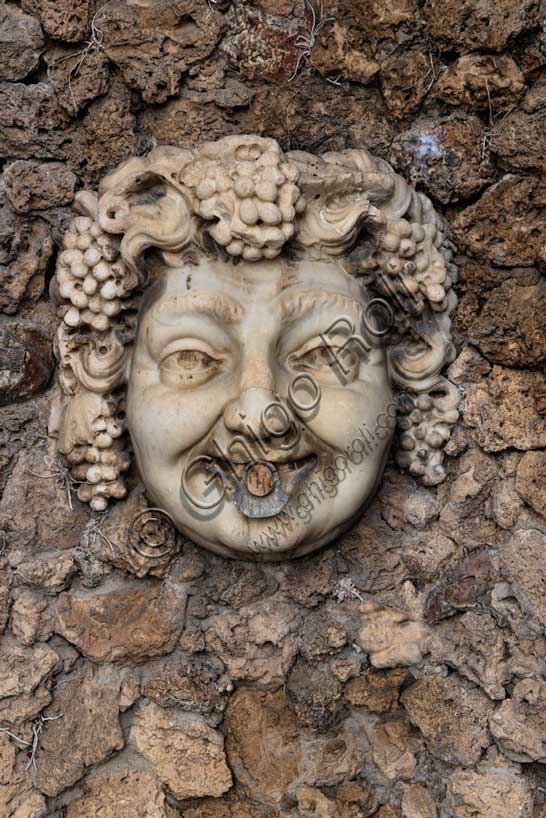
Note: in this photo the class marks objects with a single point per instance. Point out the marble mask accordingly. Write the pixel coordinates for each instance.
(258, 325)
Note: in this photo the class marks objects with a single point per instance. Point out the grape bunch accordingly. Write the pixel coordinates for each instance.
(409, 258)
(252, 197)
(91, 277)
(98, 467)
(425, 424)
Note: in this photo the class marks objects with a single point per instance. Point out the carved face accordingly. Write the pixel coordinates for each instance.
(255, 425)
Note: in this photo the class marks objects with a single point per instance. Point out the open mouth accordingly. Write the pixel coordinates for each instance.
(262, 488)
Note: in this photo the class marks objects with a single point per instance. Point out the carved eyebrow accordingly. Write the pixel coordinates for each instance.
(220, 307)
(294, 306)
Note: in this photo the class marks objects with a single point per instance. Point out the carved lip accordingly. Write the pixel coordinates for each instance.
(289, 471)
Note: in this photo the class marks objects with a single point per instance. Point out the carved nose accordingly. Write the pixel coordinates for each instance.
(244, 414)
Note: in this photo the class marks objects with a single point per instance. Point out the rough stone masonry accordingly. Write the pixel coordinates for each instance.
(400, 673)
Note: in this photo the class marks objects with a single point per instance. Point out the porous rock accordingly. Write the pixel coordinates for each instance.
(25, 250)
(530, 483)
(498, 790)
(390, 637)
(128, 621)
(506, 410)
(37, 186)
(153, 45)
(26, 362)
(481, 81)
(446, 158)
(519, 724)
(122, 795)
(83, 716)
(185, 753)
(263, 743)
(452, 717)
(466, 25)
(67, 20)
(21, 43)
(506, 225)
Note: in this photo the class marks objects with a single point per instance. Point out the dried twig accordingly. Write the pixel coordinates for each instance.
(346, 589)
(61, 474)
(93, 44)
(93, 529)
(306, 42)
(13, 736)
(37, 730)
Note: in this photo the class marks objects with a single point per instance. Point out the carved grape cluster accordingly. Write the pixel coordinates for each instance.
(90, 276)
(98, 467)
(412, 265)
(426, 423)
(253, 199)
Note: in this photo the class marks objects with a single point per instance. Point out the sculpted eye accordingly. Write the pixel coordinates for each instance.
(317, 358)
(322, 357)
(189, 367)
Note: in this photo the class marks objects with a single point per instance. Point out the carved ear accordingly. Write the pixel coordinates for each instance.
(145, 200)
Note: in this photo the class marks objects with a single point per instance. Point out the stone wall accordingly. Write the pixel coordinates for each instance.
(400, 672)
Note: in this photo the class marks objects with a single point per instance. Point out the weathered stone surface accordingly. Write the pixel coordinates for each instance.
(185, 753)
(519, 141)
(466, 25)
(194, 684)
(261, 46)
(77, 77)
(50, 573)
(481, 81)
(468, 367)
(19, 799)
(126, 621)
(30, 618)
(390, 637)
(506, 225)
(523, 566)
(356, 799)
(67, 20)
(121, 795)
(405, 80)
(393, 750)
(335, 54)
(474, 645)
(506, 410)
(26, 362)
(259, 643)
(519, 724)
(36, 186)
(88, 708)
(510, 330)
(446, 158)
(417, 802)
(498, 790)
(263, 743)
(316, 695)
(38, 482)
(463, 586)
(376, 691)
(452, 717)
(106, 136)
(31, 122)
(153, 45)
(337, 756)
(312, 802)
(23, 668)
(21, 43)
(314, 113)
(25, 250)
(531, 482)
(5, 585)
